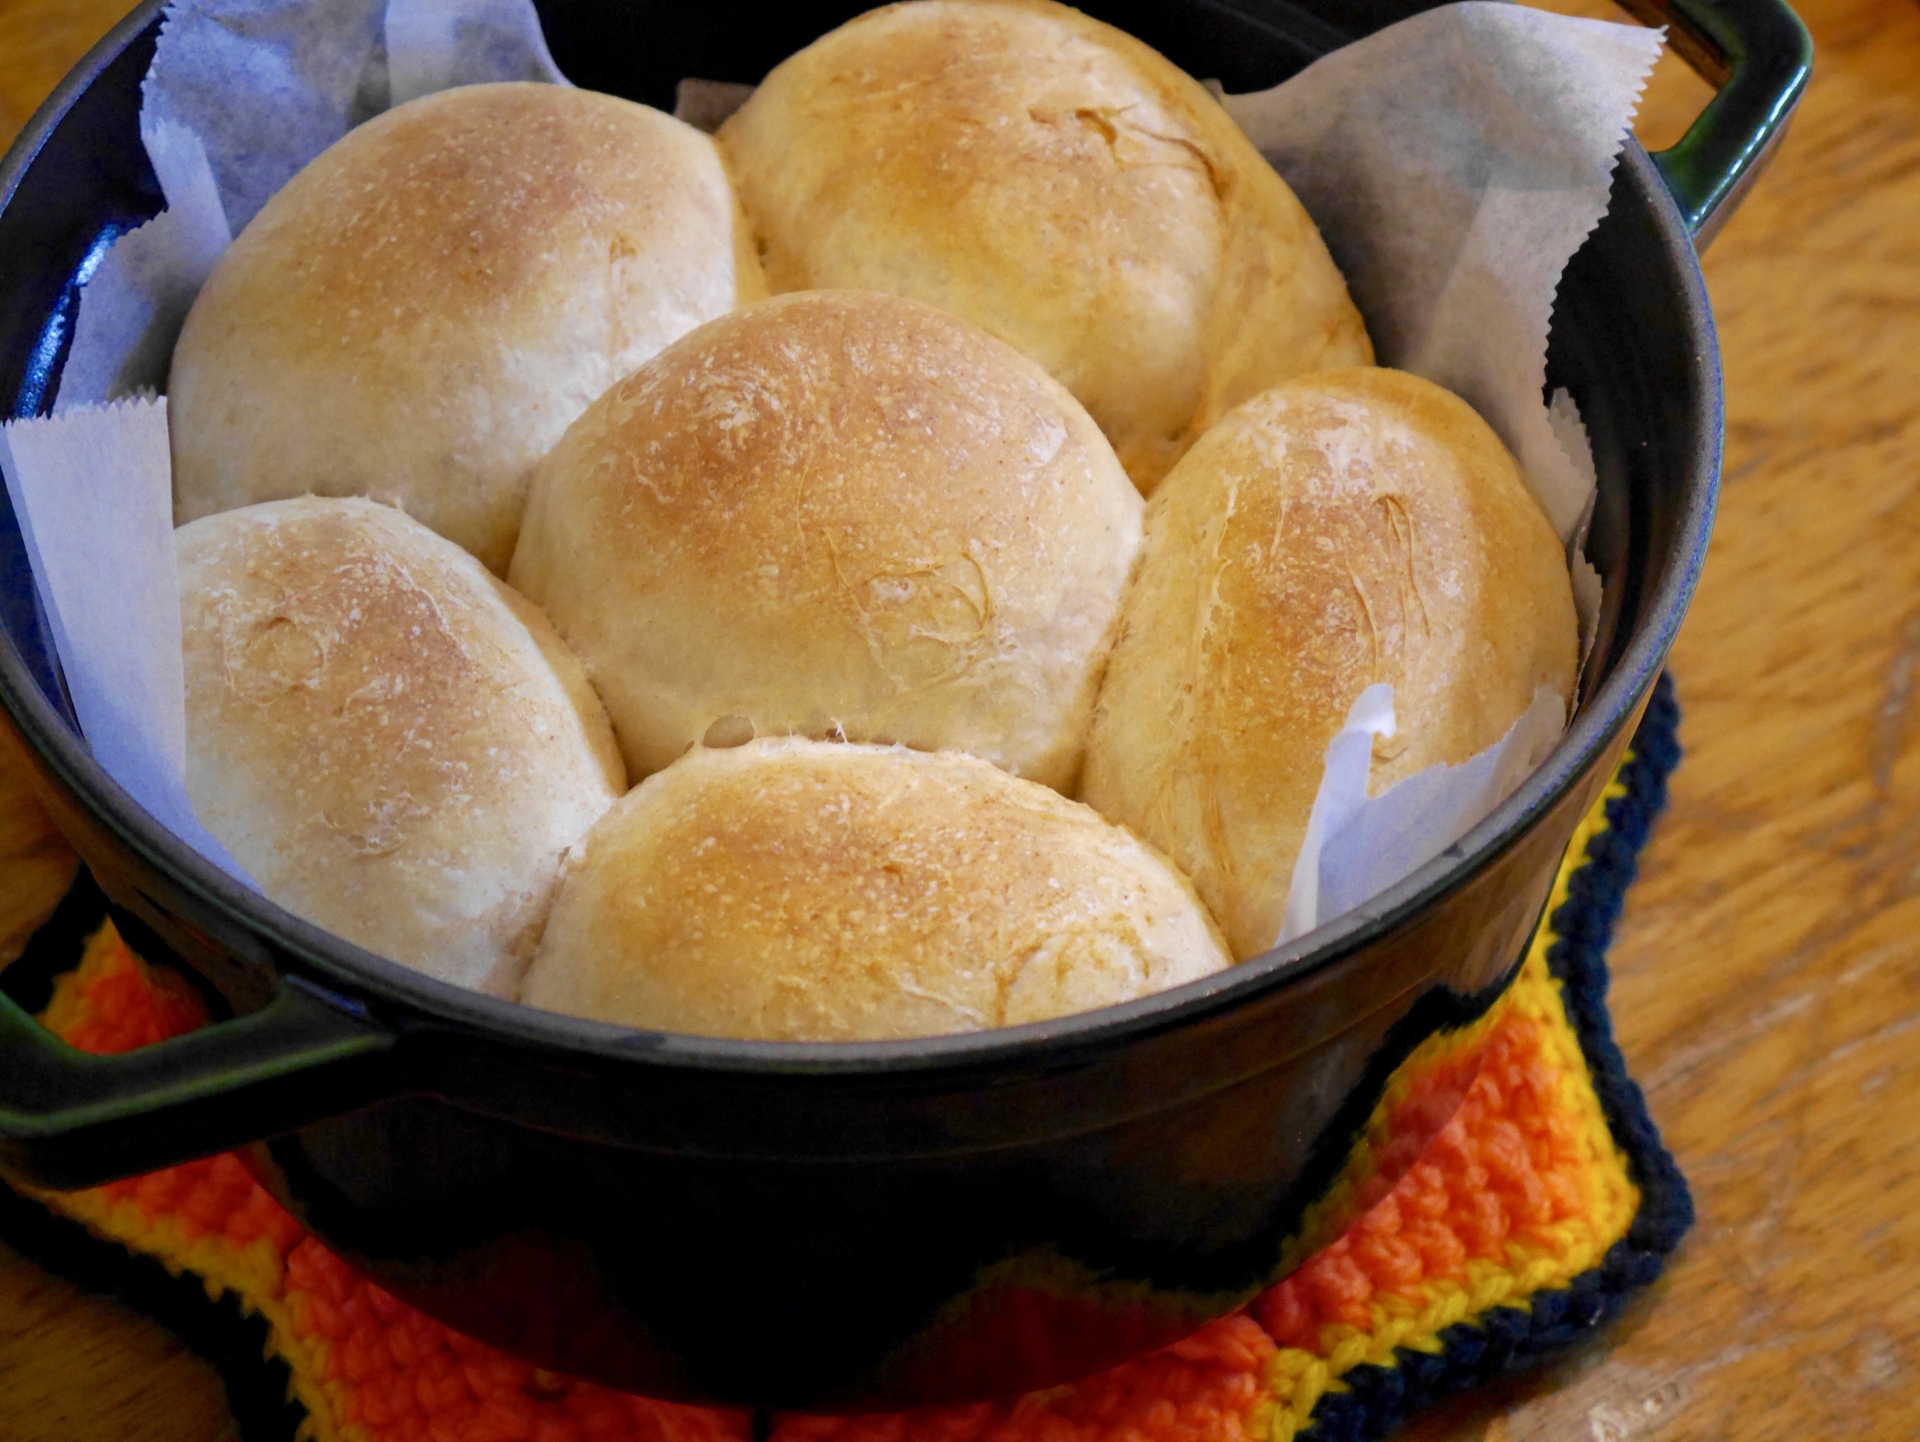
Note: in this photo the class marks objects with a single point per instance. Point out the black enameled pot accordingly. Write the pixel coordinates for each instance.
(844, 1226)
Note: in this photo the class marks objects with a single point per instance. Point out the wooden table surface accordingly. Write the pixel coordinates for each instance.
(1767, 974)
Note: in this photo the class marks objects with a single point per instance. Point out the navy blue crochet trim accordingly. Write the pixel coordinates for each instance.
(222, 1332)
(1377, 1400)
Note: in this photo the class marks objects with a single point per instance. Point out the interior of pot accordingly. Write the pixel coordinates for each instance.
(1632, 340)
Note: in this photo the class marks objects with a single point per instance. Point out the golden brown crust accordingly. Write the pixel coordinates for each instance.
(837, 514)
(1347, 528)
(793, 890)
(394, 745)
(1059, 183)
(419, 314)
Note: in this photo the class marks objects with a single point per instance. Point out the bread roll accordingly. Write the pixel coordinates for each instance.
(1344, 529)
(793, 890)
(1062, 185)
(419, 314)
(392, 743)
(837, 514)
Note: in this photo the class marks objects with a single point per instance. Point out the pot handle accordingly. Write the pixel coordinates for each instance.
(70, 1119)
(1758, 55)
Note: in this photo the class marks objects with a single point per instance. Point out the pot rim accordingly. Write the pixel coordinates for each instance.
(303, 947)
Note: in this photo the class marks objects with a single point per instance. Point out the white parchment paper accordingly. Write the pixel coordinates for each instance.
(433, 45)
(266, 85)
(93, 492)
(1358, 845)
(132, 309)
(1453, 162)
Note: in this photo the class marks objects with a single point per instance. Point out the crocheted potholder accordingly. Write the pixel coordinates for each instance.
(1545, 1201)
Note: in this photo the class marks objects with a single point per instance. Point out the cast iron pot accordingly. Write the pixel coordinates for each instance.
(855, 1225)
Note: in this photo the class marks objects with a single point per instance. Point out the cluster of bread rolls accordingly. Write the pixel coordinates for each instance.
(852, 580)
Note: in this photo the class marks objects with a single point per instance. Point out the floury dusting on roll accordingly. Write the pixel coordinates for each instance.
(1058, 183)
(395, 745)
(1345, 529)
(794, 890)
(418, 315)
(837, 514)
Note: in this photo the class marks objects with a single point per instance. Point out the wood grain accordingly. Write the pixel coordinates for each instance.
(1767, 974)
(40, 41)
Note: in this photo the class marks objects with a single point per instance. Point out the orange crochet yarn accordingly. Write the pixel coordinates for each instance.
(1509, 1165)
